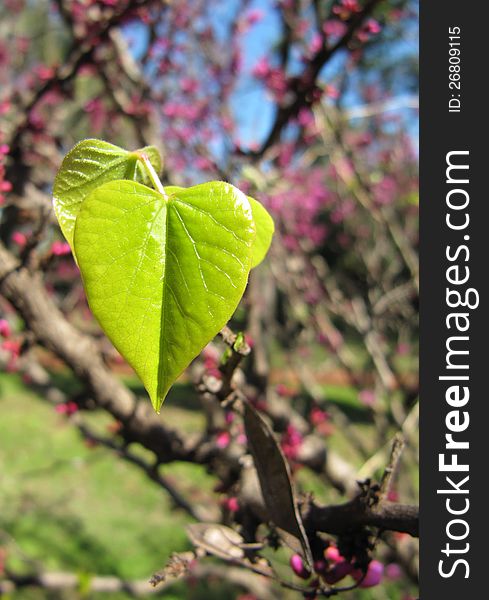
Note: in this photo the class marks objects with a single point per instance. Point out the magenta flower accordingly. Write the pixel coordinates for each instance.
(297, 565)
(261, 69)
(60, 248)
(367, 397)
(374, 574)
(338, 572)
(254, 16)
(232, 504)
(393, 571)
(20, 239)
(5, 330)
(223, 439)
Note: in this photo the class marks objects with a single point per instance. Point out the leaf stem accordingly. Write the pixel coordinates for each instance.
(152, 174)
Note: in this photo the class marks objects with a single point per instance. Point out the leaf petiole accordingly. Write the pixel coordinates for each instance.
(152, 174)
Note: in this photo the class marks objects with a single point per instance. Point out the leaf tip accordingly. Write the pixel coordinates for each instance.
(157, 399)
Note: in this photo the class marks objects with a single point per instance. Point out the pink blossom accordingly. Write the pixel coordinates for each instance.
(276, 82)
(385, 191)
(5, 186)
(316, 43)
(318, 416)
(290, 242)
(331, 91)
(334, 28)
(286, 154)
(222, 440)
(5, 330)
(4, 107)
(393, 571)
(19, 238)
(261, 69)
(87, 70)
(182, 111)
(211, 354)
(189, 85)
(44, 73)
(291, 442)
(249, 340)
(403, 349)
(12, 346)
(297, 565)
(22, 44)
(96, 110)
(351, 5)
(241, 438)
(213, 372)
(397, 13)
(301, 27)
(333, 554)
(367, 397)
(254, 16)
(373, 26)
(305, 118)
(59, 248)
(374, 574)
(66, 408)
(204, 163)
(232, 504)
(346, 8)
(284, 390)
(338, 572)
(393, 495)
(320, 566)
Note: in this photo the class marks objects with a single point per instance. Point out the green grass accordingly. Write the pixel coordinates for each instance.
(65, 506)
(74, 508)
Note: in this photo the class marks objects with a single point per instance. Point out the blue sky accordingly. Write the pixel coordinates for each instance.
(253, 110)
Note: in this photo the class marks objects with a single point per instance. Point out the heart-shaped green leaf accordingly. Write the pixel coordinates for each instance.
(87, 166)
(163, 274)
(264, 231)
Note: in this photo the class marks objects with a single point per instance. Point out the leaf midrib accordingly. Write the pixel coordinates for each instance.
(162, 350)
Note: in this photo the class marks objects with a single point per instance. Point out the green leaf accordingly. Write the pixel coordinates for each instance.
(163, 274)
(264, 231)
(88, 165)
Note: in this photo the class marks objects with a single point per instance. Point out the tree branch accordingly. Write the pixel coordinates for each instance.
(303, 86)
(343, 518)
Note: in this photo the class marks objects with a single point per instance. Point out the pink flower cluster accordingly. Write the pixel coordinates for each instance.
(299, 206)
(291, 442)
(5, 186)
(370, 28)
(274, 78)
(9, 345)
(13, 347)
(231, 504)
(321, 421)
(66, 408)
(346, 9)
(211, 358)
(5, 330)
(334, 567)
(59, 248)
(19, 238)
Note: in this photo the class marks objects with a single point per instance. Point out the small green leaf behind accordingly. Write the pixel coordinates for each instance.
(163, 275)
(265, 228)
(87, 166)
